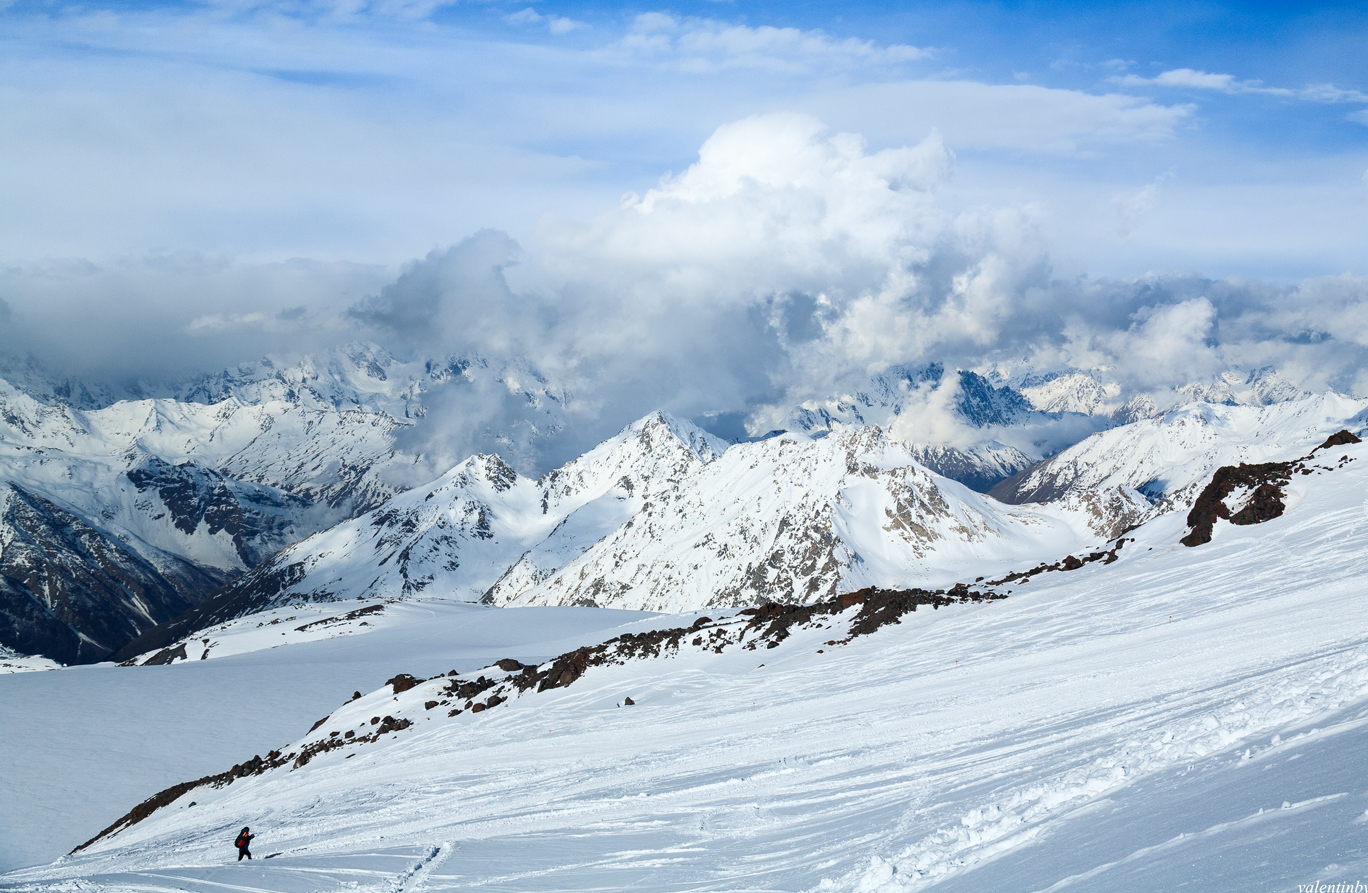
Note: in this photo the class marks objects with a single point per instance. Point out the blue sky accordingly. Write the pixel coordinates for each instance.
(373, 131)
(958, 182)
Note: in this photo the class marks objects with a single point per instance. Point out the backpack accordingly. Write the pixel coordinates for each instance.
(243, 839)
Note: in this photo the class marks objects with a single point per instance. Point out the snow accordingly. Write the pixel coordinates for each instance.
(483, 524)
(1092, 392)
(12, 661)
(1182, 448)
(82, 745)
(1117, 727)
(796, 519)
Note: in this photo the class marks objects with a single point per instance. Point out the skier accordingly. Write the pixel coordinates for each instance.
(243, 841)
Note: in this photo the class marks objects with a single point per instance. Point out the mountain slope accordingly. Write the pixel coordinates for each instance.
(794, 519)
(478, 523)
(1180, 713)
(1169, 456)
(69, 591)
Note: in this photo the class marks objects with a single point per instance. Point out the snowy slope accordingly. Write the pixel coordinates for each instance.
(12, 661)
(796, 519)
(1179, 716)
(1169, 455)
(65, 731)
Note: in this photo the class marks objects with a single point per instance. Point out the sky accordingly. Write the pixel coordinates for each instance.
(1158, 190)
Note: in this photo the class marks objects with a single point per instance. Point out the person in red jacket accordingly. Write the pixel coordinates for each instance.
(243, 841)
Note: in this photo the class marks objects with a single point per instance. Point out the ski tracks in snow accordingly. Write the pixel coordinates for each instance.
(415, 879)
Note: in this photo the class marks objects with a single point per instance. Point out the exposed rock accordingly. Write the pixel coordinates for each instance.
(1266, 481)
(1339, 438)
(70, 591)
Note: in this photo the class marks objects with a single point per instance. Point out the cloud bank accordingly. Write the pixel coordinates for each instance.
(788, 263)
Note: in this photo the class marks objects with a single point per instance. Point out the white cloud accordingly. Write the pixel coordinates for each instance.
(554, 23)
(1132, 206)
(786, 264)
(1187, 77)
(1000, 117)
(708, 45)
(1227, 83)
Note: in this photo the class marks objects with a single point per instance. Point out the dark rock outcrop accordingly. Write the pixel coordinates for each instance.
(1266, 481)
(1262, 483)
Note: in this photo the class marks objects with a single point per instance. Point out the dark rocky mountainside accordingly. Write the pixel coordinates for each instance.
(260, 520)
(70, 591)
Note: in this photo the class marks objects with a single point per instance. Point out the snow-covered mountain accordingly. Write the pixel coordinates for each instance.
(664, 516)
(898, 398)
(796, 519)
(70, 591)
(478, 524)
(892, 392)
(1169, 456)
(1094, 393)
(207, 479)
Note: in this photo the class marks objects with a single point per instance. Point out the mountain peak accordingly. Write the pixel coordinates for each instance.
(703, 445)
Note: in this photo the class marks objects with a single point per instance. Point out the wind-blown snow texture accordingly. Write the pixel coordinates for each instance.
(1180, 715)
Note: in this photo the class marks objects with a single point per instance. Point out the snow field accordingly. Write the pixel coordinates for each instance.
(83, 745)
(1041, 741)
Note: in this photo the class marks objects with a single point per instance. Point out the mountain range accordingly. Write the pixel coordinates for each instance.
(132, 518)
